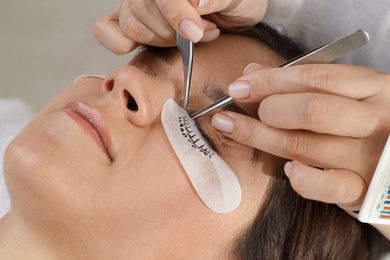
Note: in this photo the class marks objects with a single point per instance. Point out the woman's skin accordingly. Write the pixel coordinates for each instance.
(127, 197)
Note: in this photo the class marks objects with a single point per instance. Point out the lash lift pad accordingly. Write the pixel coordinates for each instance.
(212, 178)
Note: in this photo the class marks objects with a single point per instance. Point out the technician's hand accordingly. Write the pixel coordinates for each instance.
(332, 121)
(155, 22)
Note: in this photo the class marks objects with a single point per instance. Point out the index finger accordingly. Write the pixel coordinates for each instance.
(344, 80)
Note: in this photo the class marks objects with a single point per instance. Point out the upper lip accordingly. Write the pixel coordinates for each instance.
(96, 120)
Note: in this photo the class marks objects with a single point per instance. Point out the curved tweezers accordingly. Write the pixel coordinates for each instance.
(186, 49)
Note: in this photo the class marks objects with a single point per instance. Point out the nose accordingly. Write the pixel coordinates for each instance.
(140, 94)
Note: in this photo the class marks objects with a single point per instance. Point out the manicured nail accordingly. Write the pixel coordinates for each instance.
(203, 3)
(251, 67)
(210, 35)
(191, 30)
(223, 123)
(288, 169)
(239, 90)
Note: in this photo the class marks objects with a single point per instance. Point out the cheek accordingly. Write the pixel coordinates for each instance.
(151, 190)
(51, 164)
(156, 172)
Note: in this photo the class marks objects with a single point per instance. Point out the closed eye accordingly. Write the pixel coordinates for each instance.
(205, 136)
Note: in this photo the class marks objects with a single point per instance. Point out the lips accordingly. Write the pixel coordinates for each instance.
(93, 123)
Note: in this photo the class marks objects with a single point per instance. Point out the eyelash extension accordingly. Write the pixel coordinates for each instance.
(209, 141)
(193, 139)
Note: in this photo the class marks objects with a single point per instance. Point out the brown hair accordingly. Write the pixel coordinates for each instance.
(288, 226)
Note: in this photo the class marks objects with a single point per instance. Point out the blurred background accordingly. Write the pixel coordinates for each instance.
(45, 44)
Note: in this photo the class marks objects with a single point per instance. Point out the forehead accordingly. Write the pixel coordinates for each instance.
(227, 57)
(229, 53)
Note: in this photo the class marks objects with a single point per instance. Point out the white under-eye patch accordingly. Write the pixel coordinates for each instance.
(212, 178)
(88, 76)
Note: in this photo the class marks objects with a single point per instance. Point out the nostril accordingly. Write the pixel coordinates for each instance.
(131, 103)
(109, 85)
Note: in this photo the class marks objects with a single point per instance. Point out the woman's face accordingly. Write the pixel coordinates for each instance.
(120, 180)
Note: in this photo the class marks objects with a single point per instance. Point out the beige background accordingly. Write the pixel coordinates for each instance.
(45, 44)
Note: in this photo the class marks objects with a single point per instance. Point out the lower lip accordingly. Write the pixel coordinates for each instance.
(89, 129)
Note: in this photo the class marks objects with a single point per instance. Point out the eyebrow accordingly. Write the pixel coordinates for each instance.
(167, 55)
(215, 92)
(209, 87)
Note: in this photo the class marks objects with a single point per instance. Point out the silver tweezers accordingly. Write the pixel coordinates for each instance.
(186, 49)
(324, 54)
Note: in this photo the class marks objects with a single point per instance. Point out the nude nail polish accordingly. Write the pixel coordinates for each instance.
(223, 123)
(203, 3)
(192, 31)
(240, 90)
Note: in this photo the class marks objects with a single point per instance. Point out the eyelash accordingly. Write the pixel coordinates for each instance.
(202, 132)
(150, 72)
(206, 136)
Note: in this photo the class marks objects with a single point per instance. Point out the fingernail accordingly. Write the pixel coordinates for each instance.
(239, 90)
(288, 169)
(251, 67)
(223, 123)
(203, 3)
(191, 30)
(210, 35)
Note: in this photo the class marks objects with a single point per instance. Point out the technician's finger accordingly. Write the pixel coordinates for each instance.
(183, 17)
(143, 23)
(230, 13)
(320, 113)
(147, 13)
(207, 7)
(107, 32)
(344, 80)
(342, 187)
(320, 150)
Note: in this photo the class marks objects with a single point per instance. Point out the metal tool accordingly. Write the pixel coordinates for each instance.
(186, 49)
(324, 54)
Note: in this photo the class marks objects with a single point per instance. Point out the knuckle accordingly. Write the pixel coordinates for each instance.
(317, 110)
(268, 84)
(168, 6)
(296, 145)
(137, 31)
(139, 8)
(249, 133)
(316, 77)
